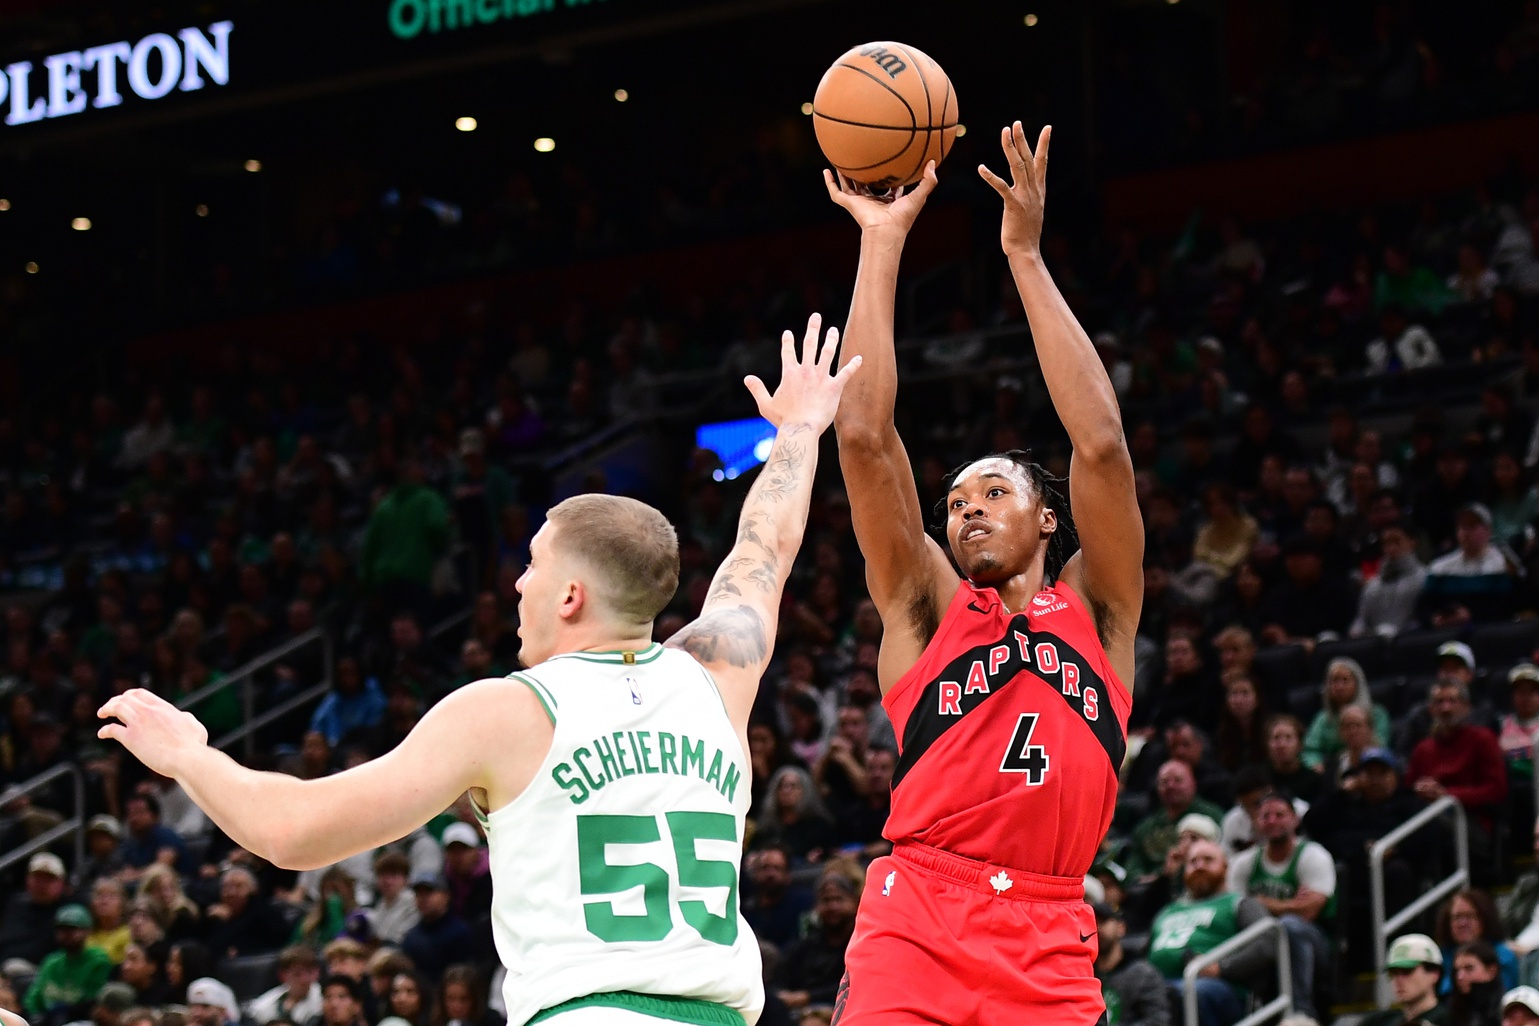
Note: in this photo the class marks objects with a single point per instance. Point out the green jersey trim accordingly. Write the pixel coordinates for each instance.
(616, 658)
(541, 692)
(673, 1009)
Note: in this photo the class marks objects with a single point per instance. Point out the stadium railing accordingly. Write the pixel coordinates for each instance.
(1384, 929)
(1280, 1005)
(245, 676)
(75, 824)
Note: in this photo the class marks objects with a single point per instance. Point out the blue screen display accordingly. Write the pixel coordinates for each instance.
(740, 444)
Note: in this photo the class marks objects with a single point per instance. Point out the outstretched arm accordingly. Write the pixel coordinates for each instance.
(307, 824)
(909, 576)
(735, 631)
(1108, 569)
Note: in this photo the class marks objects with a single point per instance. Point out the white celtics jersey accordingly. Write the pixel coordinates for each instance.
(617, 869)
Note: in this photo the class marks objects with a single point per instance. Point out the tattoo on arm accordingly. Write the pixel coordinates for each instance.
(734, 635)
(779, 479)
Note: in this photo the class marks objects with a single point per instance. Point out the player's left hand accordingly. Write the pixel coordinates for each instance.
(156, 732)
(1025, 195)
(807, 394)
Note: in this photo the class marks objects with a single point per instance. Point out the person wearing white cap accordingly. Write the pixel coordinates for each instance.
(1455, 665)
(1414, 964)
(211, 1003)
(1520, 1007)
(469, 875)
(1462, 760)
(26, 926)
(1520, 727)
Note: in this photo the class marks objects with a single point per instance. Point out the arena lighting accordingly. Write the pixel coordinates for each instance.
(201, 210)
(81, 224)
(465, 124)
(621, 95)
(180, 62)
(5, 204)
(253, 166)
(1031, 21)
(544, 144)
(961, 131)
(31, 266)
(807, 107)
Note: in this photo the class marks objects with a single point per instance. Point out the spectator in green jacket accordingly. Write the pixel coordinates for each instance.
(1345, 685)
(68, 980)
(406, 534)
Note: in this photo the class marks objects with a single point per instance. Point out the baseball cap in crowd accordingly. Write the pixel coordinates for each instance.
(1457, 650)
(209, 991)
(433, 881)
(1197, 823)
(1523, 672)
(1528, 997)
(103, 823)
(1478, 510)
(1412, 950)
(117, 997)
(75, 916)
(1109, 867)
(1384, 757)
(47, 862)
(461, 833)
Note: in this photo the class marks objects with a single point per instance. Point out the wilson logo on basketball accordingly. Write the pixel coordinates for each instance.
(884, 59)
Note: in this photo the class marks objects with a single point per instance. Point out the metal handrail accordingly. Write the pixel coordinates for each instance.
(1384, 929)
(244, 675)
(1282, 1004)
(74, 825)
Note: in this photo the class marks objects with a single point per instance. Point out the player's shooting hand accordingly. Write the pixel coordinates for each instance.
(1025, 195)
(893, 212)
(808, 393)
(156, 732)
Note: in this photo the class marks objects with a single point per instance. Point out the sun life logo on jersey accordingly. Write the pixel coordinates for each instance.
(635, 690)
(1046, 602)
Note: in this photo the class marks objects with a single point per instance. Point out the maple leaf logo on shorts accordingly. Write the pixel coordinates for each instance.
(1001, 882)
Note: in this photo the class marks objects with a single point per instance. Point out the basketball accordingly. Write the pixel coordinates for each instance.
(882, 112)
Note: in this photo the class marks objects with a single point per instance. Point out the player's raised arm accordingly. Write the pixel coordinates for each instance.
(306, 824)
(735, 631)
(909, 576)
(1108, 569)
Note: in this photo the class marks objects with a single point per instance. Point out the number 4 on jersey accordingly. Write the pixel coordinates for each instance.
(1024, 757)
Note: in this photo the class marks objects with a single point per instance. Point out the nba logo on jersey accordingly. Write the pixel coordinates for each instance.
(892, 878)
(635, 691)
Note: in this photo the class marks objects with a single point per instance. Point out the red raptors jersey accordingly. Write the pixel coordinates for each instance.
(1012, 728)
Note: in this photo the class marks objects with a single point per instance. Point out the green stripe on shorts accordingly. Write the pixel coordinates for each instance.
(673, 1009)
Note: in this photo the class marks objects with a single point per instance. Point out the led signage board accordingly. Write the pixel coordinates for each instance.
(67, 83)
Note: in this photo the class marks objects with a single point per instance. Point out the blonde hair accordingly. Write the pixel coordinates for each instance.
(630, 546)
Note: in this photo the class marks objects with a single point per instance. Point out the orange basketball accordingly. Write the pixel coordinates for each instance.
(882, 111)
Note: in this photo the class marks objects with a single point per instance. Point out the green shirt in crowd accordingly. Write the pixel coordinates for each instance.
(68, 980)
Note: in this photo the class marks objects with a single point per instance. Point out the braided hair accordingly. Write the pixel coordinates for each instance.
(1063, 542)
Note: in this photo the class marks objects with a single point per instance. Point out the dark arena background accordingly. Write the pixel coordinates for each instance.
(309, 311)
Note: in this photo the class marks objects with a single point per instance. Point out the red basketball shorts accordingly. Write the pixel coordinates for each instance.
(949, 940)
